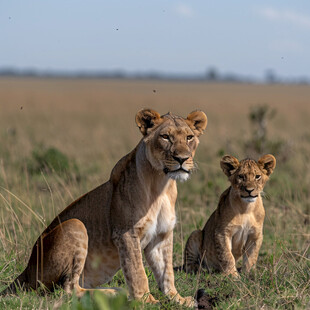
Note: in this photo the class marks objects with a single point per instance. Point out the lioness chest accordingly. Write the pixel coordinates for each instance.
(159, 220)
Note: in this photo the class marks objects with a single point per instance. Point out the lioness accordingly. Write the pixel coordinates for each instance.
(235, 228)
(107, 228)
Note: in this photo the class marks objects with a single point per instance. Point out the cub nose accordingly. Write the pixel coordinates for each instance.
(180, 160)
(249, 190)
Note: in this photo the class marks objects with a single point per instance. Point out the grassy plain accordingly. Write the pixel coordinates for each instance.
(92, 123)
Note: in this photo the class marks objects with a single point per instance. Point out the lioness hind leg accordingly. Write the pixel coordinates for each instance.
(58, 257)
(192, 251)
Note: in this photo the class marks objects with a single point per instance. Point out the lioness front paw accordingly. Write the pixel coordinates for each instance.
(186, 301)
(149, 298)
(235, 275)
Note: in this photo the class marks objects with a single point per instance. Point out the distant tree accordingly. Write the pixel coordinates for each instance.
(270, 76)
(212, 74)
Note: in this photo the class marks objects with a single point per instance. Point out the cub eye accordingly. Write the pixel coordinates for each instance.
(257, 177)
(241, 177)
(190, 137)
(165, 137)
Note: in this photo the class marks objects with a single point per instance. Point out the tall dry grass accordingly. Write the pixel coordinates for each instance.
(92, 123)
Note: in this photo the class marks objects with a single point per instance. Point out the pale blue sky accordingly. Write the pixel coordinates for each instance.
(244, 37)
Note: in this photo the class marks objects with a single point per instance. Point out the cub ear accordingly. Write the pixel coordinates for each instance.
(267, 163)
(146, 119)
(197, 121)
(229, 164)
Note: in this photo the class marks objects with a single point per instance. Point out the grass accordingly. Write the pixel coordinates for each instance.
(88, 125)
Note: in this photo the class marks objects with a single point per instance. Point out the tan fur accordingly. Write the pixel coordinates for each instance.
(235, 228)
(109, 227)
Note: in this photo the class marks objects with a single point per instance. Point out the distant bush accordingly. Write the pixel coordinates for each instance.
(259, 143)
(49, 160)
(259, 116)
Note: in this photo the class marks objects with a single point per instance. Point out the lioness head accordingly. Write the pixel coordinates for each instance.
(171, 140)
(248, 177)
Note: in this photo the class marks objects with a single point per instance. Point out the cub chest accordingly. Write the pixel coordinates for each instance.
(240, 236)
(245, 227)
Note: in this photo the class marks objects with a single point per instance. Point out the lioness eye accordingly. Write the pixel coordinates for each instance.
(190, 137)
(166, 137)
(257, 177)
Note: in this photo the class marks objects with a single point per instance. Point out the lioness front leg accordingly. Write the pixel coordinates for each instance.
(252, 247)
(159, 256)
(226, 260)
(129, 249)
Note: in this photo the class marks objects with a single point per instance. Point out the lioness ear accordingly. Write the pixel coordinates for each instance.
(229, 164)
(146, 119)
(197, 121)
(267, 163)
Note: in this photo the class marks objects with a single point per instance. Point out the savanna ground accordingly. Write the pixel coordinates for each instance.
(61, 138)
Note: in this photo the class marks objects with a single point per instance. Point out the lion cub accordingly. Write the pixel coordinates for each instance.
(235, 228)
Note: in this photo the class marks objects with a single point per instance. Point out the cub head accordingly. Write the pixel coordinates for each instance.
(171, 140)
(248, 177)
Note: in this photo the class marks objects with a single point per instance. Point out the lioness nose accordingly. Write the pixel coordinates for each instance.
(181, 160)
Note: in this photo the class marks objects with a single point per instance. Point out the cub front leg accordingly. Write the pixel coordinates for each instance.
(226, 260)
(252, 248)
(159, 256)
(129, 249)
